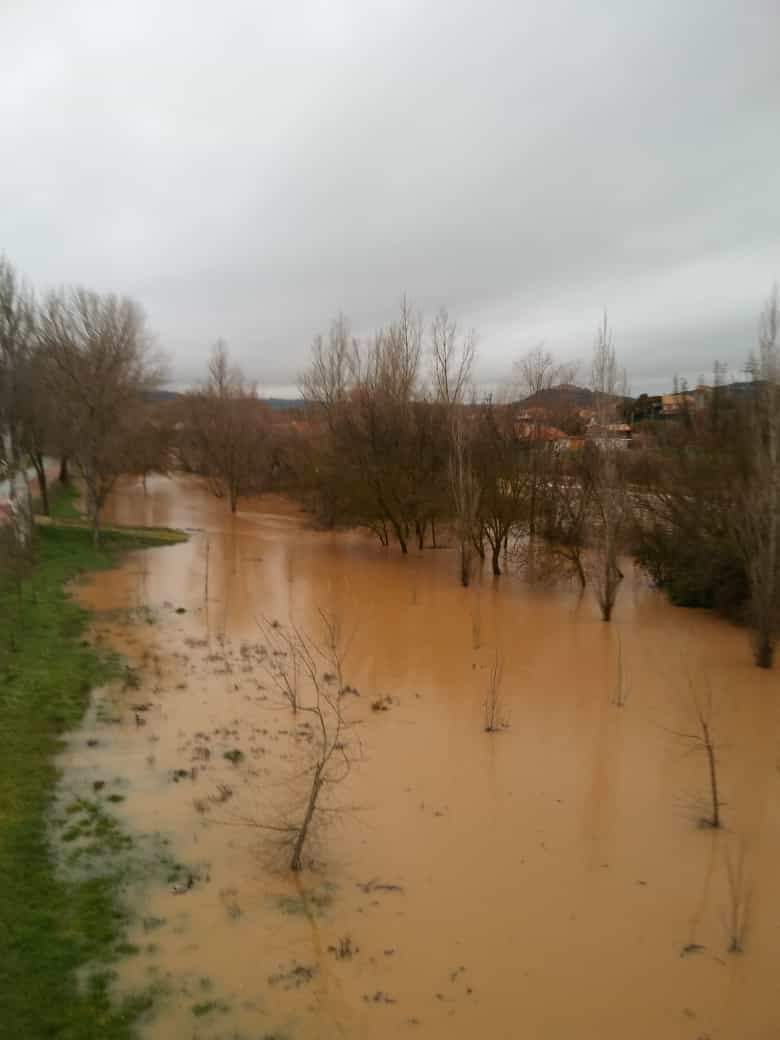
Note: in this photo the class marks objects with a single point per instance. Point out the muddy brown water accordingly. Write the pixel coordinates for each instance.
(551, 878)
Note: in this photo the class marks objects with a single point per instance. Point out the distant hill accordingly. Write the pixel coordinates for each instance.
(566, 398)
(282, 404)
(278, 404)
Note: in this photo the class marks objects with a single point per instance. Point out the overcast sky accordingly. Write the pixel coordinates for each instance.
(248, 169)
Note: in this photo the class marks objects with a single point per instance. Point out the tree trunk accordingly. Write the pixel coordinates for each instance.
(532, 507)
(399, 534)
(465, 564)
(580, 571)
(496, 551)
(765, 651)
(233, 499)
(94, 518)
(64, 476)
(715, 821)
(300, 839)
(433, 533)
(420, 531)
(40, 472)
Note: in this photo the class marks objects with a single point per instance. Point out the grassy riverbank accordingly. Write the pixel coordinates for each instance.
(50, 928)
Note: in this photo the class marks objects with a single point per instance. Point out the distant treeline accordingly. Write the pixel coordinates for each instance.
(389, 436)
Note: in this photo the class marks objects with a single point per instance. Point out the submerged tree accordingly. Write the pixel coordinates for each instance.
(702, 737)
(225, 431)
(609, 491)
(151, 447)
(40, 431)
(566, 511)
(17, 329)
(308, 672)
(377, 443)
(500, 467)
(465, 497)
(755, 511)
(492, 706)
(737, 915)
(101, 361)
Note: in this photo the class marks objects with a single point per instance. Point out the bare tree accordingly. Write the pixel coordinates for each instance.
(39, 416)
(332, 760)
(566, 508)
(17, 558)
(499, 465)
(492, 704)
(465, 496)
(101, 361)
(330, 373)
(609, 490)
(396, 365)
(314, 680)
(739, 895)
(281, 660)
(535, 371)
(375, 449)
(702, 738)
(755, 513)
(151, 447)
(17, 325)
(538, 371)
(621, 689)
(226, 430)
(452, 359)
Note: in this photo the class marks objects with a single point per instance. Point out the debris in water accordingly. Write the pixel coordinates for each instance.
(183, 886)
(380, 997)
(344, 950)
(375, 885)
(295, 977)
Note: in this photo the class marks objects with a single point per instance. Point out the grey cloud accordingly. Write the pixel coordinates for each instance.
(248, 169)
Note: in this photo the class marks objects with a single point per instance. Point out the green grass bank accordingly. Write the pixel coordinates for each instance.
(58, 935)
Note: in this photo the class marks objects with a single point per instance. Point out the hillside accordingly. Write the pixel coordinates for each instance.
(566, 398)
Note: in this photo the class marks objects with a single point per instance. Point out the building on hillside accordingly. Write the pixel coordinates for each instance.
(529, 427)
(570, 443)
(686, 400)
(608, 435)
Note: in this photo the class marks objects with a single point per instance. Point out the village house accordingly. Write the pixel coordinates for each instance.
(608, 435)
(686, 400)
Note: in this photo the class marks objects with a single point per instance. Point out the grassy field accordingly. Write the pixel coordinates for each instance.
(64, 502)
(52, 929)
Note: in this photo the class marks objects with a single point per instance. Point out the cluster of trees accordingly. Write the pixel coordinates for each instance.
(393, 439)
(709, 526)
(397, 443)
(223, 431)
(402, 454)
(74, 367)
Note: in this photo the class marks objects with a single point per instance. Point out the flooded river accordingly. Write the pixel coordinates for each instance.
(546, 881)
